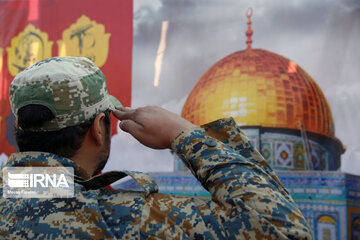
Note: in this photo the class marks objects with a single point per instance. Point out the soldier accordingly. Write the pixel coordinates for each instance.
(63, 111)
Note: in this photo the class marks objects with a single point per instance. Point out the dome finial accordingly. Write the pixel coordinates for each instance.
(249, 31)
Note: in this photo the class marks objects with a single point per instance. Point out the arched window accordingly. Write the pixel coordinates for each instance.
(326, 228)
(355, 229)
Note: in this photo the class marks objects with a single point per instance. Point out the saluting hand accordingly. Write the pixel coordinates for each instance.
(152, 126)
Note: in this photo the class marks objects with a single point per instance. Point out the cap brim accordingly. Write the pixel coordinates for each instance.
(115, 102)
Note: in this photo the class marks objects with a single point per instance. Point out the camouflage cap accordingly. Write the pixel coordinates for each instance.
(73, 88)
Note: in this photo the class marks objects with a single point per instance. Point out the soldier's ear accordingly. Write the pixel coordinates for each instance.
(97, 129)
(16, 124)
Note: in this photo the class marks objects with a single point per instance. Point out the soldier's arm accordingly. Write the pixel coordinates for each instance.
(248, 198)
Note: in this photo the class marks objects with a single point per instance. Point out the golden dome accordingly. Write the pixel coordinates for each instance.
(259, 88)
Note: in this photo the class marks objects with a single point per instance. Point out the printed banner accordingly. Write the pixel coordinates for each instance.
(34, 30)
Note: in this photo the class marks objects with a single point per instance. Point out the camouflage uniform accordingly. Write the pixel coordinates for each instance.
(248, 200)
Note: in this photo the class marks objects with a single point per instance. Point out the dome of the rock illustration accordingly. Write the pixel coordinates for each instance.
(276, 102)
(259, 88)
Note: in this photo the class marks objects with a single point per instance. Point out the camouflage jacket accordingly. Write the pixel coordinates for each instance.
(248, 200)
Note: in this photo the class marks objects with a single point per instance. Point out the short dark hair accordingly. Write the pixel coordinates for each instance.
(64, 142)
